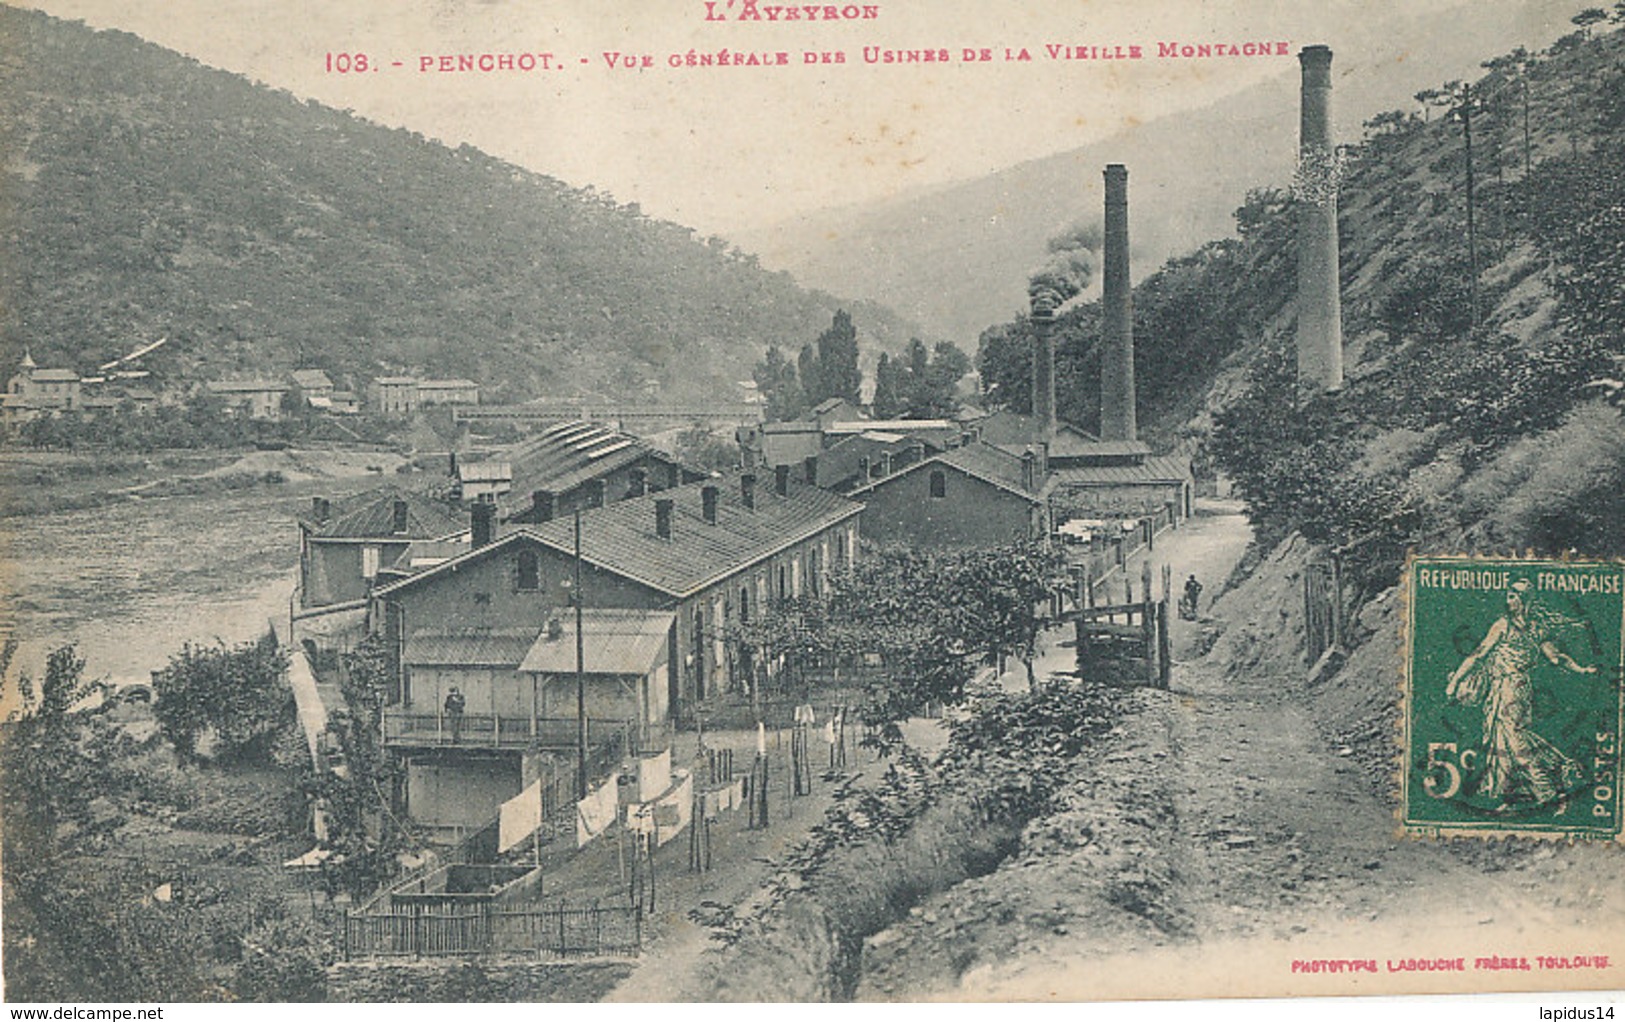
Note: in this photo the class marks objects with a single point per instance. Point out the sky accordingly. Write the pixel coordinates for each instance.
(726, 149)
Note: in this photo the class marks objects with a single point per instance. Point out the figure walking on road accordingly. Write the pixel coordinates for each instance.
(1193, 593)
(1520, 767)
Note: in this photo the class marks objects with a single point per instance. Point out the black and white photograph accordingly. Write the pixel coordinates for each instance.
(734, 501)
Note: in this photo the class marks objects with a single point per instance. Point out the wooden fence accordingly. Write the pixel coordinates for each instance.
(563, 931)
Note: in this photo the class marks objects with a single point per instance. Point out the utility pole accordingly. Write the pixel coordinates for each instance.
(581, 675)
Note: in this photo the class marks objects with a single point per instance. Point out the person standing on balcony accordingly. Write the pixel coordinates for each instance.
(454, 712)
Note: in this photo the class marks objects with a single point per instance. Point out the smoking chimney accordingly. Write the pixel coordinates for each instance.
(1117, 420)
(747, 491)
(541, 502)
(1043, 303)
(663, 517)
(482, 514)
(708, 504)
(1320, 312)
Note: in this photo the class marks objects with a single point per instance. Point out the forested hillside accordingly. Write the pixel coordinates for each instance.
(1477, 412)
(145, 196)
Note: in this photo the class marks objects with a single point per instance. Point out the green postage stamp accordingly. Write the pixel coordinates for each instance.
(1512, 708)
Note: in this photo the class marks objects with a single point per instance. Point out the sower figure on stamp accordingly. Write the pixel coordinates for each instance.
(1520, 767)
(454, 713)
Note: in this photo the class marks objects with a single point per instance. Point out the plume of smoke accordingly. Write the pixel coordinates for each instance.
(1068, 269)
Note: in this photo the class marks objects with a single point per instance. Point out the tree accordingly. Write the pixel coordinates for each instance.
(890, 385)
(992, 598)
(778, 382)
(234, 696)
(838, 371)
(48, 778)
(810, 372)
(1587, 18)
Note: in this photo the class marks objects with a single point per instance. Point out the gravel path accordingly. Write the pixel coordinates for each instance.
(1217, 836)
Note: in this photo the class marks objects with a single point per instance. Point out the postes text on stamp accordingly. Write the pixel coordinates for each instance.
(1512, 697)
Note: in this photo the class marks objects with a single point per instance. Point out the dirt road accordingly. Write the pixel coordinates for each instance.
(1220, 835)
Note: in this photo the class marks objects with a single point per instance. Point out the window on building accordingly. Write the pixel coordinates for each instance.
(939, 484)
(528, 572)
(369, 562)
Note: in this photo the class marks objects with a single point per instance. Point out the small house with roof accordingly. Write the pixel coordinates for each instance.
(976, 495)
(314, 385)
(393, 395)
(255, 399)
(344, 547)
(34, 391)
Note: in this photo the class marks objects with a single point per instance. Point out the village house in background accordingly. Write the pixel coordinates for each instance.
(254, 399)
(34, 391)
(393, 395)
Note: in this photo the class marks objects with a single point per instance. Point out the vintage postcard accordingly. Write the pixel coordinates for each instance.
(739, 500)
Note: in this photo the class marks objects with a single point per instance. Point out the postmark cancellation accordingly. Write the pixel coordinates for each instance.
(1511, 706)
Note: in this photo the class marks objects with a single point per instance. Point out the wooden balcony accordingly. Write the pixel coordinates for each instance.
(410, 729)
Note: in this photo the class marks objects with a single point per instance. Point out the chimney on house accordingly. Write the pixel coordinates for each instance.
(595, 493)
(541, 503)
(708, 504)
(482, 515)
(747, 491)
(810, 468)
(863, 468)
(663, 517)
(1029, 470)
(1117, 420)
(397, 524)
(637, 483)
(885, 463)
(1043, 305)
(781, 480)
(674, 475)
(916, 452)
(451, 464)
(1320, 313)
(321, 510)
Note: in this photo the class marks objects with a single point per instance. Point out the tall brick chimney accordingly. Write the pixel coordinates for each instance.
(1320, 311)
(1042, 314)
(482, 515)
(1117, 418)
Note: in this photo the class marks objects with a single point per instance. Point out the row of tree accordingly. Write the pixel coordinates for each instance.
(919, 384)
